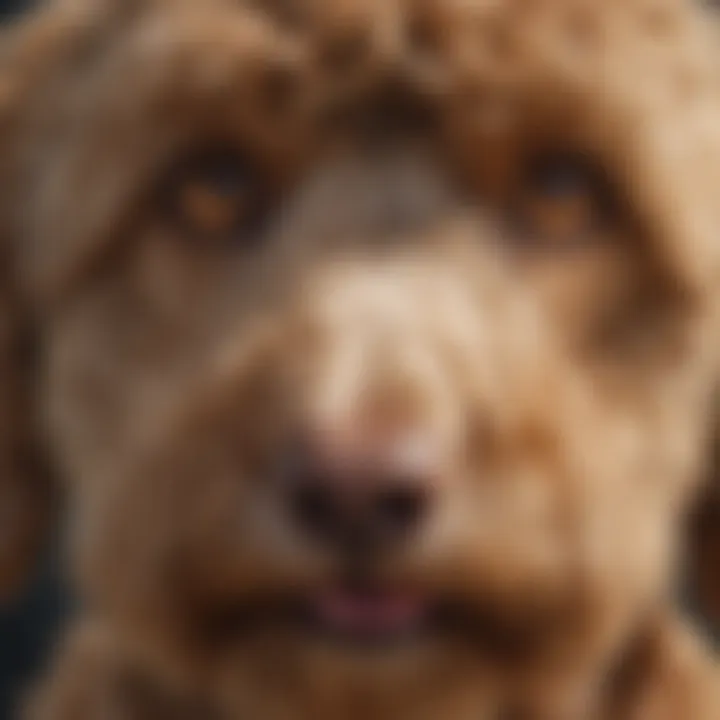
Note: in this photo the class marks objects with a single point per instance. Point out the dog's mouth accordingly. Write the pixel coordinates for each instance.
(369, 615)
(357, 617)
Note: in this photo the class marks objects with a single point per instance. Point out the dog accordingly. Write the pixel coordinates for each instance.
(372, 348)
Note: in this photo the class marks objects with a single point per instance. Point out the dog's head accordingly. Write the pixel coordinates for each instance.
(369, 322)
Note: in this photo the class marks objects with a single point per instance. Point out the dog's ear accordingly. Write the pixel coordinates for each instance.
(26, 494)
(29, 48)
(41, 51)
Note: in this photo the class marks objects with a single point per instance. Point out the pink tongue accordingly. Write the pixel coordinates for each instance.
(372, 613)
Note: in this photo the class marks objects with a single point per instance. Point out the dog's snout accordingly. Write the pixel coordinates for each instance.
(376, 416)
(356, 497)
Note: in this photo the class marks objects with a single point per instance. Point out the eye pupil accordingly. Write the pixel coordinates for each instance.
(207, 209)
(217, 196)
(225, 178)
(559, 177)
(559, 182)
(563, 200)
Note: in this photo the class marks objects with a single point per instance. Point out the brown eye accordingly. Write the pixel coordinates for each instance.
(564, 200)
(219, 196)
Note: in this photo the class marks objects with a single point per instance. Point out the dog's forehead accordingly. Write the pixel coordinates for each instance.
(501, 26)
(639, 76)
(649, 55)
(599, 49)
(655, 19)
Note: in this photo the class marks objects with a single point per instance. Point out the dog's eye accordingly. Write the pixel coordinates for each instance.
(218, 196)
(563, 200)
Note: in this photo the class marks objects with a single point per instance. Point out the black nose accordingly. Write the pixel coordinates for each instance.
(357, 505)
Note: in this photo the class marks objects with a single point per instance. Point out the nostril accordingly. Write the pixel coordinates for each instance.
(401, 509)
(355, 500)
(374, 518)
(315, 508)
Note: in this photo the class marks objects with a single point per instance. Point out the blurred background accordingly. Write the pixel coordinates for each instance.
(10, 7)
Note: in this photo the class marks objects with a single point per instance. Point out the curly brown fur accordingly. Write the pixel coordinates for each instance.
(389, 295)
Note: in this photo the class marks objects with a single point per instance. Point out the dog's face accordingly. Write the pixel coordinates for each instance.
(374, 324)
